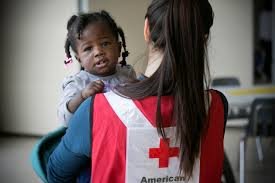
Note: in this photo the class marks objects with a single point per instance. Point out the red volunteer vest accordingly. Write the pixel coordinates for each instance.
(127, 148)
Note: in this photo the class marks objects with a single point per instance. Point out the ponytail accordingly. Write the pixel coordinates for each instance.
(179, 31)
(184, 51)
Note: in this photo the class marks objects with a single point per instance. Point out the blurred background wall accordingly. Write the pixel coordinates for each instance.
(231, 44)
(32, 52)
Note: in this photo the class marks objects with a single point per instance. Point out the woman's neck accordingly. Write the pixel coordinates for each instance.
(154, 61)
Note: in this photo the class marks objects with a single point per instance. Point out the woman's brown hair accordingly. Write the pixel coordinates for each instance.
(180, 29)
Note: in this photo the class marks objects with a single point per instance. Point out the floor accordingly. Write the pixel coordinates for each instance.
(15, 159)
(16, 166)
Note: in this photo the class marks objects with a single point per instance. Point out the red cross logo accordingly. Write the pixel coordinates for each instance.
(164, 152)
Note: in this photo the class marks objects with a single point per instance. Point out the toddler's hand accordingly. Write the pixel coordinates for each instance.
(92, 88)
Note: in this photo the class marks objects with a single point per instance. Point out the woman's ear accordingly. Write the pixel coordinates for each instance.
(146, 30)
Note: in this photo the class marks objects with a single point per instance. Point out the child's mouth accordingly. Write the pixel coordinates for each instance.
(101, 63)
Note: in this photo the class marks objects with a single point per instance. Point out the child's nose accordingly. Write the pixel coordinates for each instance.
(98, 51)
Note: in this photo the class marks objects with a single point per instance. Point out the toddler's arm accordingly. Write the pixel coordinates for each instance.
(72, 87)
(90, 90)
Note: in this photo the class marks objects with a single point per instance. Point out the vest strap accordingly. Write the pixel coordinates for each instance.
(127, 111)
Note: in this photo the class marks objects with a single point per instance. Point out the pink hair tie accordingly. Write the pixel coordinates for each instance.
(68, 60)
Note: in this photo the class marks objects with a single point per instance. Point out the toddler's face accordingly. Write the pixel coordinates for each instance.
(98, 50)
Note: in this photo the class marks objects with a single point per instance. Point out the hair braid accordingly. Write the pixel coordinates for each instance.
(118, 33)
(125, 53)
(67, 51)
(70, 23)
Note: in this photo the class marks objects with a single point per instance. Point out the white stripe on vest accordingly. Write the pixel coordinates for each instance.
(148, 158)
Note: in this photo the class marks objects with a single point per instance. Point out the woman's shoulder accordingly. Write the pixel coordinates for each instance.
(216, 95)
(217, 100)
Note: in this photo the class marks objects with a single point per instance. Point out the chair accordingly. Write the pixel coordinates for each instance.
(226, 81)
(231, 82)
(43, 149)
(261, 124)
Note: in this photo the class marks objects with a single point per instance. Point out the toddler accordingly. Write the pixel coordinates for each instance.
(94, 38)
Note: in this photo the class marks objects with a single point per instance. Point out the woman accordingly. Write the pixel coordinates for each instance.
(165, 128)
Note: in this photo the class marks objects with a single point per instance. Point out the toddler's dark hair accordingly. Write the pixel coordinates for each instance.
(77, 24)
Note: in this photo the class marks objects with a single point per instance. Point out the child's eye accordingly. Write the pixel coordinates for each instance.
(105, 44)
(89, 48)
